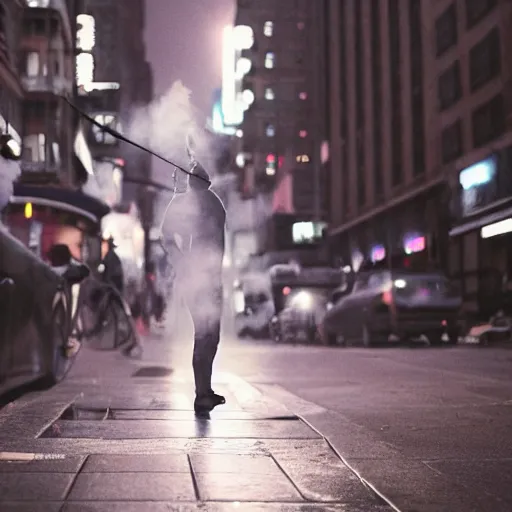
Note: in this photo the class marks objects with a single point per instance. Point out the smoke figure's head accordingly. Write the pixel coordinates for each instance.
(200, 179)
(9, 172)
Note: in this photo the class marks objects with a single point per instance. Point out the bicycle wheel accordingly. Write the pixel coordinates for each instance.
(126, 332)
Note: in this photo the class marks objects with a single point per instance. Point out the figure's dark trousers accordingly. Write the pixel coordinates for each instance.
(206, 311)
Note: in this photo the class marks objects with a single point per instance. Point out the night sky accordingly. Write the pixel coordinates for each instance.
(183, 39)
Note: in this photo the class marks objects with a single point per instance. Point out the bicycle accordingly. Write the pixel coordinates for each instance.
(111, 316)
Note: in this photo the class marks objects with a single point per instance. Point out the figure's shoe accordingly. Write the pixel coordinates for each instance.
(205, 404)
(133, 351)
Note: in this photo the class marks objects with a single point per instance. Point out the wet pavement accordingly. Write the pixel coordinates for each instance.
(113, 437)
(430, 429)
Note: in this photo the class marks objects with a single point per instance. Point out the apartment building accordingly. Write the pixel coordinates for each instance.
(420, 135)
(11, 89)
(285, 122)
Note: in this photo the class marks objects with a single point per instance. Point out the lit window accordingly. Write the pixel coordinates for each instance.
(268, 28)
(269, 93)
(269, 60)
(303, 134)
(34, 148)
(84, 69)
(270, 130)
(102, 137)
(86, 33)
(303, 95)
(32, 64)
(304, 159)
(270, 171)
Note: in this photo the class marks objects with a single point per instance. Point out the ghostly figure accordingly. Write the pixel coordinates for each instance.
(9, 172)
(193, 235)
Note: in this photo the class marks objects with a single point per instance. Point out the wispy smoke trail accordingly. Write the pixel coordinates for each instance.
(9, 172)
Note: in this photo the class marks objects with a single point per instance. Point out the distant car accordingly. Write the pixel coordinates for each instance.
(390, 306)
(301, 296)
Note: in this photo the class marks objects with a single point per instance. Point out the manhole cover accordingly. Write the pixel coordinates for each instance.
(74, 413)
(153, 371)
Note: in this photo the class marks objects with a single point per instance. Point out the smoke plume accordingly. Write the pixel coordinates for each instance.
(9, 172)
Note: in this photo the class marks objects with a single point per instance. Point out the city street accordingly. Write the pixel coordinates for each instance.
(429, 429)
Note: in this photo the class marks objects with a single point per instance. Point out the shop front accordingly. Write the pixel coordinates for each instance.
(415, 229)
(481, 241)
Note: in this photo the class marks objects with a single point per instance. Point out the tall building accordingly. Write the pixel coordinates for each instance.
(45, 65)
(11, 89)
(113, 79)
(283, 88)
(420, 135)
(384, 173)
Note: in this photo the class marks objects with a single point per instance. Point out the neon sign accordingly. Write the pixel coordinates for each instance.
(478, 174)
(378, 253)
(414, 244)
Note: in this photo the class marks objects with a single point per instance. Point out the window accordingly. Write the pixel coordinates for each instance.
(34, 27)
(270, 130)
(417, 100)
(303, 159)
(488, 121)
(377, 95)
(485, 60)
(32, 64)
(396, 91)
(451, 142)
(449, 89)
(34, 148)
(107, 120)
(269, 60)
(446, 30)
(269, 94)
(359, 88)
(268, 29)
(477, 10)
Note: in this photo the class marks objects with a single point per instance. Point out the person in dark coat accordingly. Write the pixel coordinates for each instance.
(113, 268)
(193, 235)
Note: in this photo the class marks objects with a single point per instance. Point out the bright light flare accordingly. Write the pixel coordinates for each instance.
(303, 300)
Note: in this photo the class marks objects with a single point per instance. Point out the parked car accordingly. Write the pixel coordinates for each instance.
(301, 297)
(394, 305)
(36, 309)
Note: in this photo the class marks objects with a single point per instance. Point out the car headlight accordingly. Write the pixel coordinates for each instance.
(303, 300)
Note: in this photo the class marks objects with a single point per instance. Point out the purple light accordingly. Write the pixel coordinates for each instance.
(378, 253)
(414, 244)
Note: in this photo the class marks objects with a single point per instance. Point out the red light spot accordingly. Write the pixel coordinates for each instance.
(281, 161)
(271, 159)
(387, 298)
(287, 290)
(444, 323)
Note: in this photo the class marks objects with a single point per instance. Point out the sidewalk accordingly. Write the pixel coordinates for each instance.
(130, 442)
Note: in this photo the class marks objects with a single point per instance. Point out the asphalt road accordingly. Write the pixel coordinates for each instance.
(430, 427)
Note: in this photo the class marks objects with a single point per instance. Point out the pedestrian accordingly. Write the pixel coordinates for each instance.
(113, 268)
(193, 236)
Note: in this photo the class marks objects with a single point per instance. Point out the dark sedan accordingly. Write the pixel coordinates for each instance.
(391, 306)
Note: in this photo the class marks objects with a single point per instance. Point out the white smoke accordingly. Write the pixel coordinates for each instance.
(9, 172)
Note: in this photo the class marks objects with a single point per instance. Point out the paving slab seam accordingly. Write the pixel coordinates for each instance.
(285, 473)
(75, 477)
(194, 478)
(363, 480)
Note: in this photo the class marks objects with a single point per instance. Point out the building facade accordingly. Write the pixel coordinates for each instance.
(420, 135)
(285, 121)
(11, 89)
(114, 78)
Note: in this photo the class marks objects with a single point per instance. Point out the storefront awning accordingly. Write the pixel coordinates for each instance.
(481, 222)
(68, 200)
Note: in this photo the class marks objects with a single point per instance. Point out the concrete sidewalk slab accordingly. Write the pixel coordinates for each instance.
(142, 444)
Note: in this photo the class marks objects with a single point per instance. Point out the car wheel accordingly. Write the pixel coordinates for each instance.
(59, 363)
(366, 337)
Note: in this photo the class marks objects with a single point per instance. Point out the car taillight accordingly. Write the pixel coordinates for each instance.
(387, 298)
